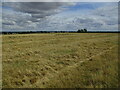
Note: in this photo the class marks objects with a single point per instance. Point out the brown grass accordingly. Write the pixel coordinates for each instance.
(70, 60)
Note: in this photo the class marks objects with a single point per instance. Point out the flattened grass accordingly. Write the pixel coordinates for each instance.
(53, 60)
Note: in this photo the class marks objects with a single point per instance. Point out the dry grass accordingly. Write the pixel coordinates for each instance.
(76, 60)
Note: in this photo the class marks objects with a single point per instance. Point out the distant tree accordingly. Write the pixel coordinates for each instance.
(82, 30)
(85, 30)
(79, 31)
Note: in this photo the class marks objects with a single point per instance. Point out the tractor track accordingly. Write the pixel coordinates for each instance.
(46, 78)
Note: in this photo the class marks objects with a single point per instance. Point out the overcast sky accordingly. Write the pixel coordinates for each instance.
(59, 16)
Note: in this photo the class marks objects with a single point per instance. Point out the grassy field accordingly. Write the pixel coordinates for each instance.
(60, 60)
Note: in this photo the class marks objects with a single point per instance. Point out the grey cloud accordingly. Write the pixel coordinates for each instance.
(25, 12)
(37, 9)
(34, 17)
(8, 22)
(14, 20)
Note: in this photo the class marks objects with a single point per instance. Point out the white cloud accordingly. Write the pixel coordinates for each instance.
(103, 18)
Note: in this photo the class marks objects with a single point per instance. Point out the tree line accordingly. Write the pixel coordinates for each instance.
(30, 32)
